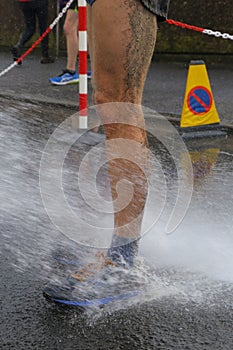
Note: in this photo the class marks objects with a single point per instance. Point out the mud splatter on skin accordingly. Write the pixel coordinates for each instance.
(140, 49)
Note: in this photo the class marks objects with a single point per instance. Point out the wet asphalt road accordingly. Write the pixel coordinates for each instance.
(164, 89)
(200, 317)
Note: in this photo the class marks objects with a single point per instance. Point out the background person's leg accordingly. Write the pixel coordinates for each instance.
(30, 21)
(69, 74)
(42, 15)
(71, 33)
(122, 36)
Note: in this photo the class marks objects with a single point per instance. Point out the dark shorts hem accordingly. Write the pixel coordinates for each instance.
(157, 7)
(90, 2)
(74, 5)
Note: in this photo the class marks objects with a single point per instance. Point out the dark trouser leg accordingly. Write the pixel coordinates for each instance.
(42, 15)
(30, 20)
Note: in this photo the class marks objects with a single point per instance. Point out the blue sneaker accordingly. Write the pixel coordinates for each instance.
(65, 78)
(97, 284)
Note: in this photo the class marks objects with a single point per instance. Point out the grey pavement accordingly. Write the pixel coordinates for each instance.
(164, 90)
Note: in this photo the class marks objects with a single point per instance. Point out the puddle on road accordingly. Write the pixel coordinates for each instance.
(196, 254)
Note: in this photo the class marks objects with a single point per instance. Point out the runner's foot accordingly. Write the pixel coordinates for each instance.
(67, 77)
(93, 281)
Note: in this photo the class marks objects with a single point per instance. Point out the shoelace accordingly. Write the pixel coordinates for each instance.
(64, 72)
(91, 269)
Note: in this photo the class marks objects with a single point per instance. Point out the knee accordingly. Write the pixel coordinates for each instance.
(69, 30)
(108, 95)
(117, 93)
(100, 97)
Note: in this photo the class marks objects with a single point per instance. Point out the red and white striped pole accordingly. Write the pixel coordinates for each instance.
(83, 92)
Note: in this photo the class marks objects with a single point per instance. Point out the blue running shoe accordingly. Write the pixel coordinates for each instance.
(96, 284)
(65, 78)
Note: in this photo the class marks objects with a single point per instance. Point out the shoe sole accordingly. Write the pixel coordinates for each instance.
(67, 83)
(84, 304)
(64, 83)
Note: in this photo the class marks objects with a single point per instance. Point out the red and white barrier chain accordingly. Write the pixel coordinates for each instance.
(217, 34)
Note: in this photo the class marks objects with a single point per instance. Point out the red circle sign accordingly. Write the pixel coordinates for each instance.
(199, 100)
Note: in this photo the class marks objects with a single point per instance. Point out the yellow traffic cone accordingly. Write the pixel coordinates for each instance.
(199, 111)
